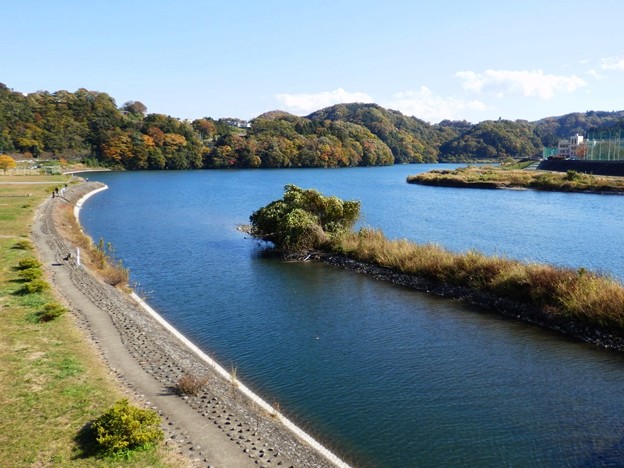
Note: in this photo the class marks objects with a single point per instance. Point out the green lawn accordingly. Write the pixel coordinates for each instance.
(52, 383)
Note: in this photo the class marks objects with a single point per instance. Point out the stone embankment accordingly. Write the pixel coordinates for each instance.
(217, 427)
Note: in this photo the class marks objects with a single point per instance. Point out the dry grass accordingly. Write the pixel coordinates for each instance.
(190, 384)
(578, 294)
(94, 256)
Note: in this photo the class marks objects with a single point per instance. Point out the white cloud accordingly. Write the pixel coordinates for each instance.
(307, 103)
(612, 63)
(529, 83)
(593, 72)
(425, 105)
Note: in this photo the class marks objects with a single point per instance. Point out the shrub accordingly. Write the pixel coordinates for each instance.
(572, 176)
(125, 427)
(115, 274)
(51, 311)
(23, 245)
(35, 286)
(304, 219)
(28, 262)
(30, 274)
(190, 384)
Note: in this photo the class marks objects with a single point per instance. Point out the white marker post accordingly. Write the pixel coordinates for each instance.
(78, 256)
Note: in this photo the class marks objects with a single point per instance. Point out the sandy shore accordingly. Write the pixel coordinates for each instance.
(223, 426)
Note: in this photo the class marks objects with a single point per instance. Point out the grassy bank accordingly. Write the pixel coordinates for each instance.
(500, 177)
(52, 382)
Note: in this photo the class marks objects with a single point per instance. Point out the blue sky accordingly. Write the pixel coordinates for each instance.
(434, 59)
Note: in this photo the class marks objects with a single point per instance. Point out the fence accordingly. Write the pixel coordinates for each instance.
(604, 146)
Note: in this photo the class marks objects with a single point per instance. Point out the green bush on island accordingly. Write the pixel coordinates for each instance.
(304, 219)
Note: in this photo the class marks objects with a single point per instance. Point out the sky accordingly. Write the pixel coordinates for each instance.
(469, 60)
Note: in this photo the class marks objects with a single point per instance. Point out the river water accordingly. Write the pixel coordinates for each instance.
(383, 375)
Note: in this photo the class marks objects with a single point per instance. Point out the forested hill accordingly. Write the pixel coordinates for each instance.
(89, 124)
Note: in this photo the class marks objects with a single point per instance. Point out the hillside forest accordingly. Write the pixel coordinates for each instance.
(89, 125)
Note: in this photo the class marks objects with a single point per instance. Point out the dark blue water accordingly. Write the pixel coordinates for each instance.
(384, 375)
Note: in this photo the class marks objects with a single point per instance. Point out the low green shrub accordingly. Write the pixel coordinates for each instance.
(30, 274)
(23, 245)
(28, 262)
(125, 427)
(36, 286)
(572, 175)
(51, 311)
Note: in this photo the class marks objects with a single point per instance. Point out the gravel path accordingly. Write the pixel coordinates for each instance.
(218, 427)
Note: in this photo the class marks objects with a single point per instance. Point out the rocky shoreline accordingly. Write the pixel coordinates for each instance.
(513, 309)
(238, 431)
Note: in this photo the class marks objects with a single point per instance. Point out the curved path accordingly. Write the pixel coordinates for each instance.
(218, 427)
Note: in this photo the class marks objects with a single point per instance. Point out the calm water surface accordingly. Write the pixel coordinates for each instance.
(384, 375)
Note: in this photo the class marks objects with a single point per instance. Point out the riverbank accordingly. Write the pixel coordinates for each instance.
(220, 426)
(489, 177)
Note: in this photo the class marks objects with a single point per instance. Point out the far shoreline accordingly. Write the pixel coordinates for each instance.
(496, 178)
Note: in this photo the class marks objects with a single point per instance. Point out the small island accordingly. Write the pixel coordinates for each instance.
(305, 224)
(502, 177)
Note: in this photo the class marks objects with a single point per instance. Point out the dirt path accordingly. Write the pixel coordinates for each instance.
(219, 427)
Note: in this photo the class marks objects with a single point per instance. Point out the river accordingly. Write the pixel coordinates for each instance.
(383, 375)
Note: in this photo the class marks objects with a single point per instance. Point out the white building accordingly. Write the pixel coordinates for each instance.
(568, 148)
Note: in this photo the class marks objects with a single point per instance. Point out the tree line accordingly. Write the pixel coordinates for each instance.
(89, 125)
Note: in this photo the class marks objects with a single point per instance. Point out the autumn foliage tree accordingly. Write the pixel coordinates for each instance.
(6, 162)
(89, 124)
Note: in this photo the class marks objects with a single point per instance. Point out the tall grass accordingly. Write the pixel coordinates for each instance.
(564, 292)
(98, 257)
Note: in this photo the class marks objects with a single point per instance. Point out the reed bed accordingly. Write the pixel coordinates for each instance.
(588, 297)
